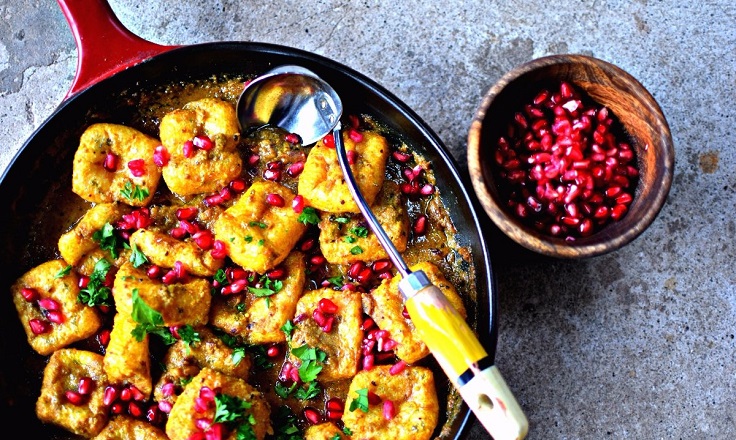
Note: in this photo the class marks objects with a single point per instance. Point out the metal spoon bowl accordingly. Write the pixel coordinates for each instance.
(292, 98)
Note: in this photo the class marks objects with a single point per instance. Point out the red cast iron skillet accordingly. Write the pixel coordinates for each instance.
(112, 61)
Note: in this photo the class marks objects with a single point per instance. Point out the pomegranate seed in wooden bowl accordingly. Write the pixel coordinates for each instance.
(570, 156)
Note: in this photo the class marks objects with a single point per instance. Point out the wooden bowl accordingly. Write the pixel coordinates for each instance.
(633, 106)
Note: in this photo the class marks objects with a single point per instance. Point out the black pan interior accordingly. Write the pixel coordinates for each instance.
(45, 160)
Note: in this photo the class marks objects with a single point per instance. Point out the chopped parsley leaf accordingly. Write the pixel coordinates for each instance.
(288, 329)
(259, 224)
(64, 272)
(96, 293)
(188, 335)
(356, 250)
(108, 240)
(309, 216)
(131, 192)
(230, 410)
(359, 231)
(149, 321)
(137, 257)
(360, 402)
(350, 239)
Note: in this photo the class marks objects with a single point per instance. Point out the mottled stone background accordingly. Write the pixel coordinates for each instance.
(636, 344)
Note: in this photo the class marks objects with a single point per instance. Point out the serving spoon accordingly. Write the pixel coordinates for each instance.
(297, 100)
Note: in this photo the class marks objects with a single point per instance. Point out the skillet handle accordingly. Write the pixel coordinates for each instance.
(104, 45)
(463, 358)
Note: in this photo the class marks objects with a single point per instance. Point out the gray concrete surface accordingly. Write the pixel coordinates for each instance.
(637, 344)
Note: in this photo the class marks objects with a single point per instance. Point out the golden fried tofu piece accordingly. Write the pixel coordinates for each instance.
(180, 303)
(414, 399)
(164, 250)
(94, 183)
(78, 242)
(259, 235)
(324, 431)
(124, 427)
(205, 171)
(63, 372)
(53, 280)
(346, 238)
(341, 343)
(259, 319)
(385, 305)
(182, 418)
(127, 361)
(184, 361)
(322, 183)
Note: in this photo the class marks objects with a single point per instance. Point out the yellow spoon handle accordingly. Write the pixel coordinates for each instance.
(463, 358)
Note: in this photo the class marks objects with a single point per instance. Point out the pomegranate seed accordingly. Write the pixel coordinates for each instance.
(292, 138)
(168, 389)
(110, 395)
(355, 135)
(352, 156)
(319, 317)
(334, 415)
(55, 317)
(275, 200)
(273, 175)
(373, 398)
(103, 337)
(295, 169)
(188, 149)
(367, 324)
(134, 409)
(153, 272)
(618, 211)
(405, 313)
(153, 414)
(73, 397)
(273, 351)
(420, 225)
(200, 405)
(111, 162)
(401, 157)
(204, 239)
(329, 322)
(397, 368)
(30, 294)
(427, 190)
(307, 244)
(389, 410)
(136, 393)
(312, 415)
(117, 408)
(161, 156)
(328, 141)
(203, 424)
(137, 167)
(202, 142)
(165, 406)
(368, 362)
(382, 265)
(318, 260)
(39, 327)
(49, 304)
(219, 249)
(86, 384)
(327, 306)
(188, 213)
(126, 394)
(237, 185)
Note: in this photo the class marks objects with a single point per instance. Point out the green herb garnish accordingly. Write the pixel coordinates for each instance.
(309, 216)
